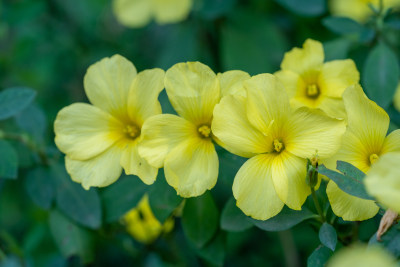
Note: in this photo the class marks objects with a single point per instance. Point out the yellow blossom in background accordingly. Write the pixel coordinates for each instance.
(361, 255)
(138, 13)
(101, 139)
(363, 143)
(184, 144)
(311, 82)
(359, 10)
(141, 223)
(396, 98)
(383, 181)
(278, 140)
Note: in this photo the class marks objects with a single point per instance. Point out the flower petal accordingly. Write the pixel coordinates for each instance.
(84, 131)
(160, 134)
(289, 178)
(133, 13)
(107, 84)
(310, 131)
(349, 207)
(293, 83)
(306, 59)
(254, 190)
(171, 11)
(193, 89)
(236, 134)
(99, 171)
(143, 95)
(232, 82)
(192, 167)
(392, 142)
(333, 107)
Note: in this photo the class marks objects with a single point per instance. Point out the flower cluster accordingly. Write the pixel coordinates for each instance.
(307, 110)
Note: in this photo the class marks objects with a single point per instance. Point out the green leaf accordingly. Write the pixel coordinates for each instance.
(319, 257)
(33, 121)
(163, 198)
(337, 49)
(327, 236)
(233, 219)
(390, 240)
(214, 251)
(83, 206)
(286, 219)
(351, 182)
(122, 196)
(212, 9)
(381, 75)
(40, 185)
(70, 238)
(200, 219)
(8, 161)
(13, 100)
(305, 7)
(342, 25)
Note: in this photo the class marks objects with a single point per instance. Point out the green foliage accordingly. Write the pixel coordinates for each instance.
(305, 7)
(342, 25)
(8, 161)
(390, 240)
(327, 236)
(233, 219)
(319, 257)
(13, 100)
(41, 186)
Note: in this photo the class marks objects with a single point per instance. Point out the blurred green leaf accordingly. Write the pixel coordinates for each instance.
(41, 186)
(337, 49)
(33, 120)
(83, 206)
(342, 25)
(305, 7)
(122, 196)
(233, 219)
(381, 74)
(200, 219)
(13, 100)
(286, 219)
(319, 257)
(212, 9)
(327, 236)
(214, 251)
(8, 161)
(390, 240)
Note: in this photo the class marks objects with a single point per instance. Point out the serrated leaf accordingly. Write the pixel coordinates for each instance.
(41, 186)
(342, 25)
(233, 219)
(200, 219)
(285, 220)
(319, 257)
(8, 161)
(304, 7)
(13, 100)
(327, 236)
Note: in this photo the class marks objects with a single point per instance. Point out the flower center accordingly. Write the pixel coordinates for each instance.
(131, 131)
(278, 146)
(204, 131)
(373, 158)
(312, 91)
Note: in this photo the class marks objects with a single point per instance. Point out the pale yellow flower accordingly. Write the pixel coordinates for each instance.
(278, 140)
(138, 13)
(363, 143)
(396, 98)
(101, 139)
(311, 82)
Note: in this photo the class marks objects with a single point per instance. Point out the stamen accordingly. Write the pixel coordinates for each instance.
(131, 131)
(312, 91)
(373, 158)
(204, 131)
(278, 146)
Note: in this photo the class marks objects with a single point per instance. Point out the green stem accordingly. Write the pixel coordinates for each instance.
(316, 203)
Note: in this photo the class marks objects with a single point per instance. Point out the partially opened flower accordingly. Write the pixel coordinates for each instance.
(311, 82)
(184, 144)
(278, 140)
(101, 139)
(363, 143)
(138, 13)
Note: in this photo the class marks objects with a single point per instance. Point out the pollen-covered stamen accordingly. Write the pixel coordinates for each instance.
(204, 131)
(131, 131)
(278, 146)
(373, 158)
(312, 91)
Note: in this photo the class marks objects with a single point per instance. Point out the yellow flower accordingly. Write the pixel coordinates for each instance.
(278, 140)
(396, 98)
(383, 181)
(361, 255)
(183, 145)
(101, 139)
(311, 82)
(138, 13)
(143, 225)
(363, 143)
(359, 9)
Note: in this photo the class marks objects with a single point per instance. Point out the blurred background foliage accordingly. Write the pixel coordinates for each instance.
(47, 45)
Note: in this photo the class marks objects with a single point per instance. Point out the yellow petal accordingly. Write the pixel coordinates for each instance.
(136, 165)
(107, 84)
(293, 83)
(133, 13)
(392, 142)
(160, 134)
(192, 167)
(396, 99)
(171, 11)
(84, 131)
(349, 207)
(289, 178)
(232, 82)
(99, 171)
(366, 119)
(232, 128)
(193, 89)
(383, 181)
(310, 130)
(267, 102)
(333, 107)
(254, 190)
(336, 76)
(143, 95)
(304, 60)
